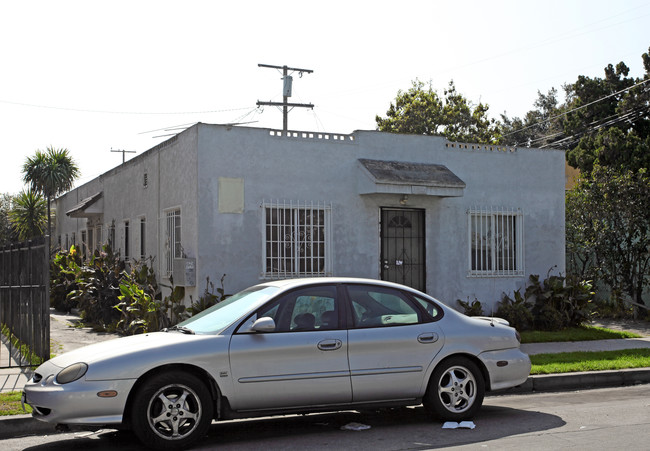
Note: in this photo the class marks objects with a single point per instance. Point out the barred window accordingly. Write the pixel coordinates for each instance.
(173, 248)
(297, 239)
(127, 244)
(495, 242)
(143, 230)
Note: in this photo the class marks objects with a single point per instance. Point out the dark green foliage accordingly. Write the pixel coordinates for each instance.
(64, 269)
(421, 111)
(141, 306)
(7, 233)
(471, 309)
(209, 298)
(111, 297)
(516, 311)
(98, 287)
(608, 232)
(552, 304)
(50, 173)
(28, 215)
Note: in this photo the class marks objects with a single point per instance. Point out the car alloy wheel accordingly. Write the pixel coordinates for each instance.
(456, 389)
(172, 410)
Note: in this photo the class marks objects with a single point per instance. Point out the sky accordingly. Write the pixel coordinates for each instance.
(96, 76)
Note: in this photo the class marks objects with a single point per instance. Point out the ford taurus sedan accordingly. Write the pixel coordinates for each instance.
(290, 346)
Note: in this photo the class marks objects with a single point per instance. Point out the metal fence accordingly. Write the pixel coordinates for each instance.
(25, 303)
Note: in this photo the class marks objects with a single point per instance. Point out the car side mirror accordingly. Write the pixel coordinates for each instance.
(265, 324)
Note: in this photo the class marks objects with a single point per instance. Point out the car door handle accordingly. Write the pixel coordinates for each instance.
(330, 345)
(429, 337)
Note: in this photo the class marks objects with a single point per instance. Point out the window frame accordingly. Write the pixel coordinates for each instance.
(172, 233)
(127, 240)
(289, 229)
(500, 232)
(143, 237)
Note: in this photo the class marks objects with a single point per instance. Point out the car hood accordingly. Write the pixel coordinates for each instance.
(131, 356)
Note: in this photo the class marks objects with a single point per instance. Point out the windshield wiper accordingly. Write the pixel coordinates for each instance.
(182, 329)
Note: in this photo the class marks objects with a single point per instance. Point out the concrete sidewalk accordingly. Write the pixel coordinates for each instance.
(65, 337)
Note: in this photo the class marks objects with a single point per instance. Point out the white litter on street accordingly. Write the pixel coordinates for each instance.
(461, 425)
(355, 427)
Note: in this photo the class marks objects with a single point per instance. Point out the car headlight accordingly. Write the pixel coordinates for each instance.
(71, 373)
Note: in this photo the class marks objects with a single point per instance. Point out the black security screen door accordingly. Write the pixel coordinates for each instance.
(402, 247)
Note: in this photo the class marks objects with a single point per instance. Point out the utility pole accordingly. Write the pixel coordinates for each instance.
(286, 93)
(123, 152)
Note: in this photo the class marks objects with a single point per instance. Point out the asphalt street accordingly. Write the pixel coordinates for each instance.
(599, 419)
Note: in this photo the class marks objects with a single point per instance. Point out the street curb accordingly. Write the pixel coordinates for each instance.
(579, 381)
(21, 425)
(14, 426)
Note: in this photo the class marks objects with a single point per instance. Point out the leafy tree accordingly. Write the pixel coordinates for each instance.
(29, 215)
(50, 173)
(6, 232)
(421, 111)
(609, 120)
(609, 224)
(539, 127)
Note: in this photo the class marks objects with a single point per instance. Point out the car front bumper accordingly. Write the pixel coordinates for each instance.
(77, 402)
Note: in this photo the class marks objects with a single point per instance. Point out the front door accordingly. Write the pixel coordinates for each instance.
(402, 247)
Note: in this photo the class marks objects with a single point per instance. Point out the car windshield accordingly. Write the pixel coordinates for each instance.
(222, 315)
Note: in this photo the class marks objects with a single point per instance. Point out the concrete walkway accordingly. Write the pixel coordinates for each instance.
(64, 337)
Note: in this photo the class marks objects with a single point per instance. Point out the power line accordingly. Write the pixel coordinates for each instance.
(609, 121)
(576, 109)
(82, 110)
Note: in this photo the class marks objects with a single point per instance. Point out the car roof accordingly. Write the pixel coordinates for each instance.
(293, 283)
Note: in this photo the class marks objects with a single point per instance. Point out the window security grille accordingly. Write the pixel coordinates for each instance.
(143, 229)
(127, 244)
(173, 248)
(496, 242)
(297, 239)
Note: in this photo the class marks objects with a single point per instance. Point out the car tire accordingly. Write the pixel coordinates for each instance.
(171, 410)
(456, 390)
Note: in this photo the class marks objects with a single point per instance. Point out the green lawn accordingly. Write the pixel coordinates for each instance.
(570, 362)
(583, 333)
(10, 404)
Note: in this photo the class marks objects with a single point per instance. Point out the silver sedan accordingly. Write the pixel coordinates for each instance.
(290, 346)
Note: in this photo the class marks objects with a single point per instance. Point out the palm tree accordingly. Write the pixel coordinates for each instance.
(28, 215)
(50, 173)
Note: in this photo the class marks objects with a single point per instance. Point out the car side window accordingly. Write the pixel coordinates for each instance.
(307, 309)
(432, 309)
(381, 307)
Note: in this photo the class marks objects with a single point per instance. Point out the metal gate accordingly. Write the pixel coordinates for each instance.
(402, 247)
(24, 303)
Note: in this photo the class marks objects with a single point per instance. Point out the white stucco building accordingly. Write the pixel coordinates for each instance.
(458, 221)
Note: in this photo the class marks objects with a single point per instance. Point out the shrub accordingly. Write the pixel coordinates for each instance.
(516, 311)
(98, 287)
(141, 306)
(65, 267)
(552, 304)
(471, 309)
(208, 298)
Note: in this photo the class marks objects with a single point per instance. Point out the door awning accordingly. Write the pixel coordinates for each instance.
(399, 177)
(87, 208)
